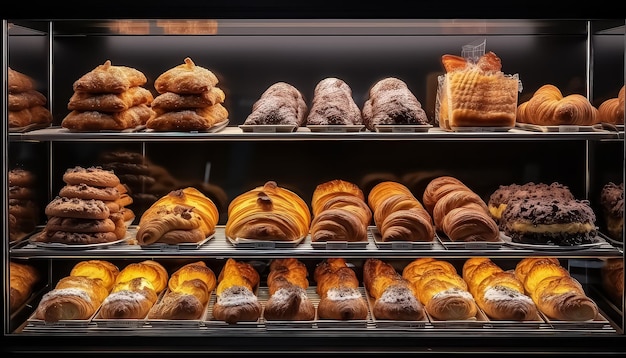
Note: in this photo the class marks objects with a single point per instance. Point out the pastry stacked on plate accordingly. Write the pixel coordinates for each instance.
(109, 97)
(549, 107)
(189, 290)
(287, 283)
(236, 299)
(268, 212)
(391, 102)
(280, 104)
(26, 105)
(79, 295)
(23, 208)
(333, 104)
(188, 100)
(182, 216)
(542, 214)
(458, 212)
(398, 215)
(135, 291)
(340, 212)
(89, 209)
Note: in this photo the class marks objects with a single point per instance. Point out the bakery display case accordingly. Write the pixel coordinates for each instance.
(277, 166)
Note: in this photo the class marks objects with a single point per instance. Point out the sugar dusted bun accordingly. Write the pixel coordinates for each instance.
(236, 299)
(107, 78)
(185, 78)
(337, 286)
(333, 104)
(287, 283)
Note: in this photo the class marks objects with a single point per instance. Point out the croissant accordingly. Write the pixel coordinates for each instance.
(470, 223)
(549, 107)
(236, 300)
(393, 297)
(497, 292)
(612, 273)
(23, 278)
(432, 194)
(268, 212)
(612, 110)
(440, 289)
(73, 298)
(193, 271)
(455, 199)
(183, 215)
(151, 270)
(398, 215)
(287, 283)
(337, 187)
(557, 294)
(338, 288)
(100, 269)
(130, 299)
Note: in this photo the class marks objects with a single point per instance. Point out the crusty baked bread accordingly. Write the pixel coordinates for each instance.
(287, 283)
(183, 215)
(398, 215)
(268, 212)
(338, 288)
(391, 102)
(548, 107)
(23, 278)
(236, 293)
(612, 109)
(392, 295)
(440, 289)
(341, 213)
(280, 104)
(333, 104)
(497, 292)
(557, 294)
(476, 94)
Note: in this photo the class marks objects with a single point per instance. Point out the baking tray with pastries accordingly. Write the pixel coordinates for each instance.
(460, 216)
(74, 300)
(182, 219)
(27, 106)
(549, 110)
(134, 291)
(188, 100)
(540, 216)
(333, 109)
(401, 221)
(340, 216)
(110, 98)
(266, 217)
(474, 95)
(89, 211)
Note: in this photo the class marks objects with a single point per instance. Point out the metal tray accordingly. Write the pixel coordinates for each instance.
(469, 245)
(402, 128)
(336, 128)
(399, 245)
(242, 243)
(268, 128)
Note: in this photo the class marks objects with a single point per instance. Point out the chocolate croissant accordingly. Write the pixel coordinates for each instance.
(236, 299)
(393, 297)
(287, 283)
(338, 288)
(268, 212)
(497, 292)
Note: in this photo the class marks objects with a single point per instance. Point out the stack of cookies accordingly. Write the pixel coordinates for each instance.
(188, 100)
(90, 209)
(109, 98)
(23, 209)
(26, 105)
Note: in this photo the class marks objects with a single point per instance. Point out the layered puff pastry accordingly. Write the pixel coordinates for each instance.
(612, 109)
(268, 212)
(188, 99)
(236, 299)
(23, 278)
(340, 212)
(26, 104)
(338, 288)
(287, 283)
(182, 216)
(398, 215)
(549, 107)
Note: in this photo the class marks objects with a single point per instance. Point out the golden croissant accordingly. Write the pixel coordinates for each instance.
(236, 299)
(612, 110)
(549, 107)
(287, 283)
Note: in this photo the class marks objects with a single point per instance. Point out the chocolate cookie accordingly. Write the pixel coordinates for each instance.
(127, 168)
(550, 222)
(56, 223)
(76, 238)
(122, 157)
(21, 192)
(93, 176)
(21, 177)
(77, 208)
(84, 191)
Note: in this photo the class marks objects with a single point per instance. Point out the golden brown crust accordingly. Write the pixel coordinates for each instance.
(150, 270)
(432, 194)
(470, 223)
(110, 102)
(236, 299)
(393, 298)
(96, 121)
(170, 101)
(19, 82)
(130, 299)
(324, 191)
(549, 107)
(26, 99)
(287, 283)
(195, 119)
(73, 298)
(23, 278)
(338, 288)
(613, 279)
(107, 78)
(612, 110)
(97, 269)
(31, 115)
(186, 78)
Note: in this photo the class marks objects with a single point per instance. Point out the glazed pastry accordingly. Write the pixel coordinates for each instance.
(548, 107)
(280, 104)
(236, 293)
(497, 292)
(287, 283)
(338, 288)
(440, 289)
(391, 102)
(268, 212)
(557, 294)
(393, 297)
